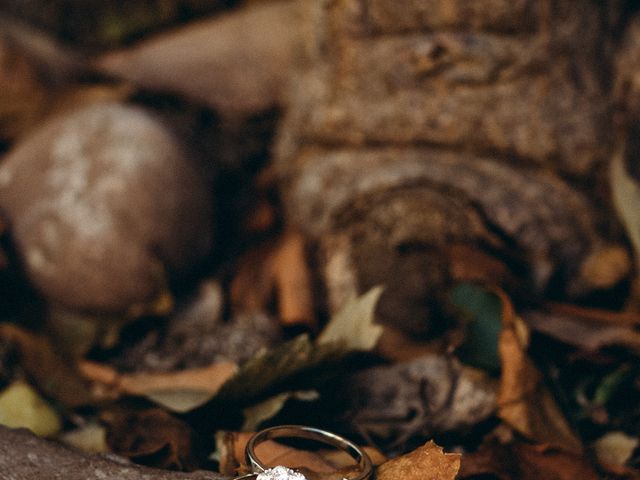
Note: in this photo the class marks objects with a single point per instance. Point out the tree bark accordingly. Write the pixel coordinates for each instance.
(419, 126)
(23, 456)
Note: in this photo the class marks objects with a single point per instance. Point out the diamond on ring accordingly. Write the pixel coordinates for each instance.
(280, 473)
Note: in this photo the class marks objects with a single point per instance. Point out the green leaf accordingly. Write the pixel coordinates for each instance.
(354, 324)
(480, 348)
(626, 198)
(22, 407)
(275, 366)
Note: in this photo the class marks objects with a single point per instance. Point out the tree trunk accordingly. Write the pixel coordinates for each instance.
(431, 137)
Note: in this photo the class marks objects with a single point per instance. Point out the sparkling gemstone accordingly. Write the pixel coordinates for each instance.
(280, 473)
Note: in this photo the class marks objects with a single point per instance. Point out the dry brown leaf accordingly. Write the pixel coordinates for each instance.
(279, 268)
(428, 462)
(583, 333)
(109, 383)
(525, 462)
(398, 346)
(595, 314)
(615, 448)
(52, 373)
(22, 95)
(469, 263)
(237, 63)
(150, 437)
(252, 286)
(293, 282)
(524, 402)
(232, 446)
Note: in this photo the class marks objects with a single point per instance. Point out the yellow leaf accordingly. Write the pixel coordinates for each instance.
(22, 407)
(354, 324)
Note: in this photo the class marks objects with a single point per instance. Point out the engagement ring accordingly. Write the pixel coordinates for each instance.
(280, 472)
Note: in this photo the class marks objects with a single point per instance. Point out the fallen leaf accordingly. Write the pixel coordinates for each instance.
(393, 405)
(521, 461)
(628, 319)
(23, 97)
(231, 446)
(398, 346)
(179, 391)
(428, 462)
(237, 63)
(186, 390)
(252, 286)
(354, 324)
(278, 269)
(553, 464)
(255, 415)
(626, 198)
(52, 373)
(293, 282)
(583, 333)
(90, 438)
(22, 407)
(469, 263)
(484, 309)
(150, 437)
(614, 449)
(276, 366)
(524, 401)
(350, 329)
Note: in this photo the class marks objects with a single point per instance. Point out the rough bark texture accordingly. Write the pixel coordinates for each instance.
(421, 124)
(23, 456)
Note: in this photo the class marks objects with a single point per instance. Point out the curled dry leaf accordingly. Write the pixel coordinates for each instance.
(22, 407)
(582, 333)
(525, 462)
(197, 335)
(255, 415)
(434, 394)
(524, 401)
(23, 97)
(428, 462)
(231, 446)
(179, 391)
(89, 438)
(626, 197)
(23, 456)
(237, 63)
(615, 449)
(628, 319)
(185, 390)
(281, 268)
(351, 329)
(151, 437)
(52, 373)
(354, 325)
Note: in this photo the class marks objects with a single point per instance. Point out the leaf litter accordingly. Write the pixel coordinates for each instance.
(513, 412)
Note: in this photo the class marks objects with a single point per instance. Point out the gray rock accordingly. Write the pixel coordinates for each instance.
(104, 204)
